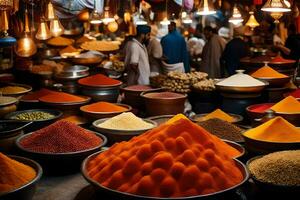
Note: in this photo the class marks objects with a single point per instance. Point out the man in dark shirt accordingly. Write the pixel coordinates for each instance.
(291, 49)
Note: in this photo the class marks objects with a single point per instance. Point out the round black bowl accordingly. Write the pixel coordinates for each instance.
(37, 124)
(123, 195)
(26, 191)
(60, 163)
(270, 187)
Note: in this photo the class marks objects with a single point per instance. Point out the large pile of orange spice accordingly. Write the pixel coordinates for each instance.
(267, 72)
(102, 106)
(177, 159)
(13, 174)
(99, 80)
(62, 97)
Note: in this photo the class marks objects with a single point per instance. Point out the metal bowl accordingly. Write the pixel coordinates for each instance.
(235, 89)
(160, 119)
(264, 147)
(107, 93)
(96, 59)
(165, 106)
(278, 82)
(26, 191)
(60, 163)
(270, 187)
(36, 124)
(115, 135)
(92, 116)
(9, 106)
(199, 117)
(123, 195)
(72, 72)
(18, 94)
(256, 115)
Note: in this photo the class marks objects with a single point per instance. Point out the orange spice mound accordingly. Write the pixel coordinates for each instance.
(267, 72)
(98, 80)
(14, 174)
(37, 94)
(103, 107)
(61, 97)
(218, 113)
(287, 105)
(177, 159)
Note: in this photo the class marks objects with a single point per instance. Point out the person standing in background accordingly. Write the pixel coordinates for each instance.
(136, 57)
(154, 49)
(212, 52)
(174, 48)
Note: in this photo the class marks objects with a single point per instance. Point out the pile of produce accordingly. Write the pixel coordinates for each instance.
(14, 174)
(279, 168)
(33, 116)
(177, 159)
(178, 81)
(267, 72)
(99, 80)
(205, 85)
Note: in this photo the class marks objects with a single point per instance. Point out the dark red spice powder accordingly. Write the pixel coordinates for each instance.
(61, 137)
(261, 108)
(139, 88)
(164, 95)
(295, 94)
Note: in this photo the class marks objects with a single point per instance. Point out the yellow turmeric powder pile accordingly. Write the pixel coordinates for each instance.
(287, 105)
(275, 130)
(267, 72)
(176, 159)
(13, 174)
(218, 113)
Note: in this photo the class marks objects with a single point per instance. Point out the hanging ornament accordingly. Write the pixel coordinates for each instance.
(252, 23)
(275, 6)
(205, 8)
(43, 32)
(56, 28)
(236, 17)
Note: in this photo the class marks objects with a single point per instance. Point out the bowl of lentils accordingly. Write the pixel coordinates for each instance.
(39, 118)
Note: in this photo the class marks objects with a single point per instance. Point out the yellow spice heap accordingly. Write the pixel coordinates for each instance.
(287, 105)
(275, 130)
(218, 113)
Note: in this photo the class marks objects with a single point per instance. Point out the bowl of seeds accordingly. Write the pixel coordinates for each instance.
(276, 172)
(39, 118)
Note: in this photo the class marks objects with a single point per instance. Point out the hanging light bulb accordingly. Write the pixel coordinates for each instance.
(107, 16)
(275, 6)
(252, 23)
(56, 28)
(50, 14)
(165, 22)
(276, 16)
(205, 8)
(236, 16)
(43, 32)
(95, 17)
(187, 19)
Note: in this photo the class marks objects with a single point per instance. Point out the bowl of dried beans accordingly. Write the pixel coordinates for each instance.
(60, 147)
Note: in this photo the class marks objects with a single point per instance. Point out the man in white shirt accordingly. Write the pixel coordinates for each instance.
(136, 57)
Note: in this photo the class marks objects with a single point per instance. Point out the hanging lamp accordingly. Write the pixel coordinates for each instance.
(107, 16)
(50, 14)
(95, 17)
(205, 8)
(276, 6)
(236, 17)
(140, 19)
(185, 18)
(56, 28)
(165, 21)
(252, 23)
(43, 32)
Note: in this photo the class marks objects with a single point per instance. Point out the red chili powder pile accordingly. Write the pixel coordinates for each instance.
(98, 80)
(177, 159)
(280, 59)
(261, 108)
(103, 107)
(61, 137)
(61, 97)
(164, 95)
(295, 94)
(34, 96)
(139, 88)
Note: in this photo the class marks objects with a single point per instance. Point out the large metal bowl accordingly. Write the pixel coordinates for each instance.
(87, 60)
(237, 146)
(60, 163)
(270, 187)
(105, 93)
(115, 135)
(276, 82)
(72, 72)
(256, 115)
(123, 195)
(18, 94)
(92, 116)
(36, 124)
(264, 147)
(163, 106)
(235, 89)
(199, 117)
(26, 191)
(9, 106)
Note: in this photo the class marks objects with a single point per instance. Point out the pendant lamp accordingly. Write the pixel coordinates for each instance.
(43, 32)
(56, 28)
(95, 17)
(236, 17)
(140, 19)
(276, 6)
(165, 21)
(252, 23)
(206, 8)
(276, 16)
(50, 11)
(185, 18)
(107, 16)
